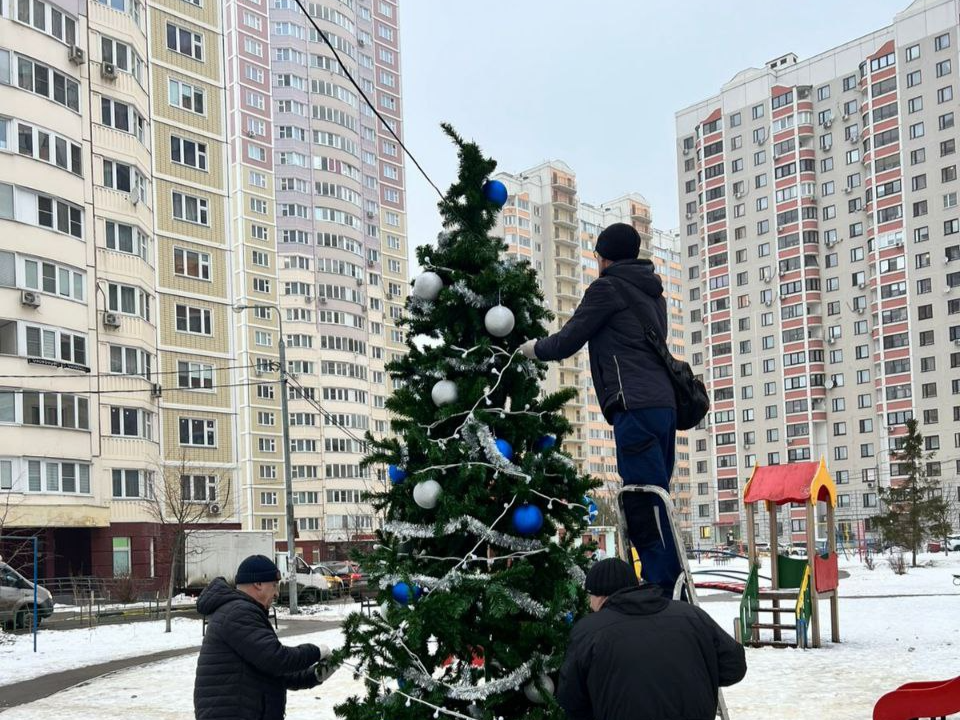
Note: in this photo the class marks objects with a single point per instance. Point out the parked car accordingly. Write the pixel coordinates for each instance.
(337, 584)
(16, 599)
(350, 572)
(953, 543)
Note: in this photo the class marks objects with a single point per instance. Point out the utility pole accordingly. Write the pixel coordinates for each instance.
(287, 470)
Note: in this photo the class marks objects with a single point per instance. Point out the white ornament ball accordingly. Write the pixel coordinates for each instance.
(533, 694)
(427, 286)
(499, 321)
(444, 393)
(426, 494)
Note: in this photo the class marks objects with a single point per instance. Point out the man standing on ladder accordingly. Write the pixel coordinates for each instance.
(632, 386)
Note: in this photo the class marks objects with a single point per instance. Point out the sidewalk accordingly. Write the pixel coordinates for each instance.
(41, 687)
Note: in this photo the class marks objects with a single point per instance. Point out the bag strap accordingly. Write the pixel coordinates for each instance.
(652, 334)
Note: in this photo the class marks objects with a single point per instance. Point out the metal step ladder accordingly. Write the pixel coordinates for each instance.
(685, 579)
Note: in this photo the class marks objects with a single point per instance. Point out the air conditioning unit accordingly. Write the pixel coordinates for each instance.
(30, 298)
(761, 140)
(898, 242)
(371, 213)
(686, 151)
(370, 263)
(782, 273)
(862, 286)
(322, 300)
(251, 134)
(765, 278)
(768, 303)
(946, 260)
(847, 190)
(828, 122)
(830, 341)
(108, 71)
(76, 54)
(156, 390)
(361, 42)
(861, 311)
(307, 299)
(689, 216)
(957, 342)
(738, 195)
(214, 508)
(111, 320)
(359, 281)
(845, 117)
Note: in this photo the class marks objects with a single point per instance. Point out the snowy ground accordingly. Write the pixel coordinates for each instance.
(886, 641)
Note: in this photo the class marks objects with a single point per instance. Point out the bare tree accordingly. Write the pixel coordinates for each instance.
(184, 499)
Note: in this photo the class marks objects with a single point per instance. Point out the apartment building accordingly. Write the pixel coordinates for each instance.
(545, 222)
(135, 216)
(820, 229)
(342, 252)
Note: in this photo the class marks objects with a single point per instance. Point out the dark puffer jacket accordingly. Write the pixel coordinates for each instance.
(627, 373)
(644, 656)
(244, 672)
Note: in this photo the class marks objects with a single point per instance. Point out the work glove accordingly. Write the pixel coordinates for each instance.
(528, 349)
(324, 669)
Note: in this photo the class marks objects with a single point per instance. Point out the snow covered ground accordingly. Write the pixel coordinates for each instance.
(886, 641)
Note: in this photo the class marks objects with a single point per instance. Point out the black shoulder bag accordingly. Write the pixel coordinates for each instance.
(693, 402)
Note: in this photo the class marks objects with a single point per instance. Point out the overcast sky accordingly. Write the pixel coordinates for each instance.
(593, 83)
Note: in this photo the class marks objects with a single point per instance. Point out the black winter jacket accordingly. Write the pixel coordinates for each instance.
(244, 672)
(627, 373)
(644, 657)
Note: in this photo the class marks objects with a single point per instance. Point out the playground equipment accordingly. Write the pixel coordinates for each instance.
(685, 580)
(920, 700)
(796, 583)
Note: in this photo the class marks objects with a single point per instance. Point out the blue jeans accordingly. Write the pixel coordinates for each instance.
(646, 441)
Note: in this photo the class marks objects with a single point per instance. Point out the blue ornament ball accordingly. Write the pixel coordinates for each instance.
(505, 448)
(496, 192)
(545, 443)
(397, 474)
(568, 618)
(403, 593)
(527, 519)
(592, 510)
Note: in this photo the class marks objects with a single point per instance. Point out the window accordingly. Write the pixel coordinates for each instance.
(912, 53)
(941, 42)
(198, 432)
(41, 80)
(190, 209)
(55, 344)
(130, 361)
(194, 320)
(45, 146)
(54, 279)
(58, 215)
(131, 422)
(129, 300)
(127, 239)
(184, 41)
(186, 96)
(121, 557)
(198, 488)
(913, 79)
(123, 117)
(188, 152)
(132, 484)
(943, 68)
(945, 94)
(191, 263)
(194, 376)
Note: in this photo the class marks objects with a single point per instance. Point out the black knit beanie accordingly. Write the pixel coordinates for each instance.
(257, 568)
(608, 576)
(618, 242)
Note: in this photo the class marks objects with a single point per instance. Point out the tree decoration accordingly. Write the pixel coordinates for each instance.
(427, 286)
(499, 321)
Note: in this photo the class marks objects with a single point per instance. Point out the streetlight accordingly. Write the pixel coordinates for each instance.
(287, 476)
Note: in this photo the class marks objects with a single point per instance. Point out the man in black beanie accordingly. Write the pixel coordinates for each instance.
(244, 672)
(641, 655)
(632, 385)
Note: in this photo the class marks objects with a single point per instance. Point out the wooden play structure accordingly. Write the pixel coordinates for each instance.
(796, 583)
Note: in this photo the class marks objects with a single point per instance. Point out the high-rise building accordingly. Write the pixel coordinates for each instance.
(136, 210)
(820, 228)
(545, 223)
(342, 251)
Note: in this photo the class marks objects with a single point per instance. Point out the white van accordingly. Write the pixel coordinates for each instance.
(16, 599)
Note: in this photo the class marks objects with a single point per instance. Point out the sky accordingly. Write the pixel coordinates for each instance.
(595, 84)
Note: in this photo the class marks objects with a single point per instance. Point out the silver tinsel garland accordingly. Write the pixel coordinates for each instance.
(469, 296)
(487, 444)
(465, 690)
(406, 530)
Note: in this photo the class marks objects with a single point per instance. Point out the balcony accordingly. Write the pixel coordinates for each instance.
(565, 220)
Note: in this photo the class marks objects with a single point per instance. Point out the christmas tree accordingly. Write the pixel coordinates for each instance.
(480, 579)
